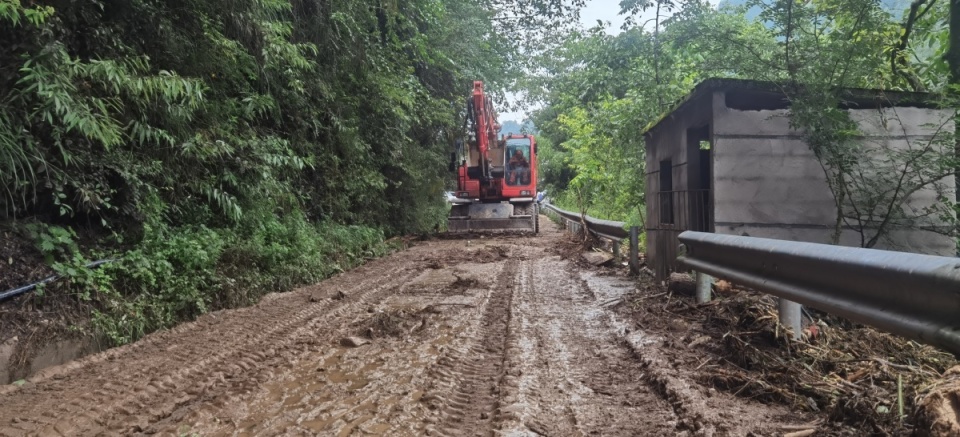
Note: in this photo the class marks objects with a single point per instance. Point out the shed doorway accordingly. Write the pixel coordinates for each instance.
(699, 195)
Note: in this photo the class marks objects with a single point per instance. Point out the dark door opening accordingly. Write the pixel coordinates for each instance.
(666, 192)
(700, 149)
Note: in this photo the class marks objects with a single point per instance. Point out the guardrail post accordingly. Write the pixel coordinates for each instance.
(704, 287)
(790, 316)
(634, 250)
(616, 252)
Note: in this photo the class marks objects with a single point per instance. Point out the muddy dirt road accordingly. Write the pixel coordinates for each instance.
(501, 337)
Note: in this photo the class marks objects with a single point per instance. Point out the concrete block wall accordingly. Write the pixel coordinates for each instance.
(903, 131)
(772, 181)
(902, 121)
(761, 124)
(768, 182)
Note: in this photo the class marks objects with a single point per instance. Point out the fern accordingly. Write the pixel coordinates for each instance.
(19, 162)
(14, 13)
(225, 202)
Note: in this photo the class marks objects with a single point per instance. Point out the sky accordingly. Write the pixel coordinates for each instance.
(605, 10)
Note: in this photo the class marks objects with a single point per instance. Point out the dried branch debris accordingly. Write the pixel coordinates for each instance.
(859, 377)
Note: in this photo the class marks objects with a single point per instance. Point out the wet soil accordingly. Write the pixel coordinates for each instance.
(20, 262)
(480, 336)
(36, 329)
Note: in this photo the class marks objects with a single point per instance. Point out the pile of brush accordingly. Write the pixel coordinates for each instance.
(860, 377)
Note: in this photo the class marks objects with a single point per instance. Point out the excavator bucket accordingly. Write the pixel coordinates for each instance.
(473, 217)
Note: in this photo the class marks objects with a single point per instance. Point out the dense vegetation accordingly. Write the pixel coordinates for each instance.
(221, 149)
(601, 91)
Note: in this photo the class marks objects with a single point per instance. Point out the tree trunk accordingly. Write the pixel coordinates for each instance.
(682, 283)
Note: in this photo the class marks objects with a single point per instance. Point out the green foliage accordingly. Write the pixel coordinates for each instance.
(215, 108)
(222, 149)
(53, 242)
(13, 12)
(179, 274)
(170, 277)
(600, 91)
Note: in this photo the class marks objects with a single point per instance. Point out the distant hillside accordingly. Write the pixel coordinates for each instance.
(512, 126)
(894, 7)
(751, 14)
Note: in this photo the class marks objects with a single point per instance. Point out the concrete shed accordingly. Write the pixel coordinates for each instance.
(726, 160)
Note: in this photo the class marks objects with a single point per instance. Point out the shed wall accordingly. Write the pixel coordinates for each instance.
(670, 142)
(768, 182)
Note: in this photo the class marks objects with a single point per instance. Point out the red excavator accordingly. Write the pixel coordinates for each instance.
(496, 178)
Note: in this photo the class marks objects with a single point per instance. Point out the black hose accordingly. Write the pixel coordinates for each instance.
(27, 288)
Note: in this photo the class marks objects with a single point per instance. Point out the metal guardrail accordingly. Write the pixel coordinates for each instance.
(911, 295)
(603, 228)
(610, 230)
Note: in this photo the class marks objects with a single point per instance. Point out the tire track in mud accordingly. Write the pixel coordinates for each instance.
(292, 345)
(531, 368)
(467, 390)
(292, 412)
(374, 389)
(702, 410)
(146, 389)
(573, 377)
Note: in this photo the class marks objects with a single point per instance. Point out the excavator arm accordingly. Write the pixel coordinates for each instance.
(485, 127)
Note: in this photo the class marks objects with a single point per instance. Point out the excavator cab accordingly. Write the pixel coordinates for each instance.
(518, 161)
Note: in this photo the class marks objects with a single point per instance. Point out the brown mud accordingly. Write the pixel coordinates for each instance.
(497, 335)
